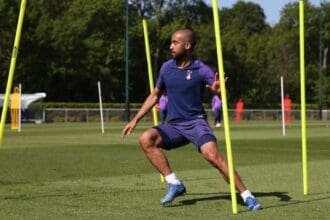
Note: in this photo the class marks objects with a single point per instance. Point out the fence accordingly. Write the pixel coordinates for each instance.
(110, 114)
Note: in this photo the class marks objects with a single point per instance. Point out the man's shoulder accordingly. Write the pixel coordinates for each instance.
(204, 70)
(168, 63)
(166, 66)
(201, 65)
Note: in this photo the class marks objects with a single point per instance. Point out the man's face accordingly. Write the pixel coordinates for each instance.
(179, 45)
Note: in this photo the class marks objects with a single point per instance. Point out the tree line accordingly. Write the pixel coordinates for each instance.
(69, 45)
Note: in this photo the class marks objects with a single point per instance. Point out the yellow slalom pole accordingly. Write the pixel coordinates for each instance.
(151, 78)
(303, 98)
(12, 69)
(224, 105)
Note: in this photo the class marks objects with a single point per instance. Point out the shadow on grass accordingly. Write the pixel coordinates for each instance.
(297, 202)
(282, 196)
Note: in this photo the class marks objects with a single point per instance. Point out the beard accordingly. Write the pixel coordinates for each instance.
(178, 56)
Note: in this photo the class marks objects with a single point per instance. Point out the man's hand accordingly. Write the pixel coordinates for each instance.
(128, 128)
(215, 87)
(157, 107)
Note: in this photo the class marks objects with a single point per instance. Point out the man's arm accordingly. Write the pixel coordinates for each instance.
(150, 101)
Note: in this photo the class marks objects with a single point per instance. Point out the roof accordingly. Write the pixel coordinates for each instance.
(26, 99)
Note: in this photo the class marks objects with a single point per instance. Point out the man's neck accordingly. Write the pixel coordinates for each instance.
(184, 62)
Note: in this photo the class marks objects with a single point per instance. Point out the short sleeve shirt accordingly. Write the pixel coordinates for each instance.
(184, 88)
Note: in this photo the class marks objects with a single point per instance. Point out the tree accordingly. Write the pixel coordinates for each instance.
(164, 17)
(243, 31)
(8, 21)
(286, 39)
(69, 45)
(69, 52)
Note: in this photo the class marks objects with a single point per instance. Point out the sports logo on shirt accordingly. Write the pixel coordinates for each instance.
(189, 73)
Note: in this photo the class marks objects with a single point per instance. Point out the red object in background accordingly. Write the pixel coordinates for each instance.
(287, 109)
(239, 111)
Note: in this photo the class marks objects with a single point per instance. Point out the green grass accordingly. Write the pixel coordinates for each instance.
(72, 171)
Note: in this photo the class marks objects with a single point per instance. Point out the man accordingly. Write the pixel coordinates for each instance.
(216, 108)
(239, 111)
(163, 107)
(287, 109)
(184, 79)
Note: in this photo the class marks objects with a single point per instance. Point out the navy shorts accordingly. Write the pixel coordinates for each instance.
(177, 134)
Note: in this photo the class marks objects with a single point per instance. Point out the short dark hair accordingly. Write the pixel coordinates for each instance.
(191, 36)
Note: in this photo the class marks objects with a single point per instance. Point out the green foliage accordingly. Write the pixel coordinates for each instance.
(83, 105)
(86, 105)
(69, 45)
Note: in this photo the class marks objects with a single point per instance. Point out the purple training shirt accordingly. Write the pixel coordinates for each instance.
(184, 88)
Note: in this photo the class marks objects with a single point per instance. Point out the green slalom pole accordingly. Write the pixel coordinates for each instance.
(12, 69)
(303, 98)
(224, 105)
(151, 78)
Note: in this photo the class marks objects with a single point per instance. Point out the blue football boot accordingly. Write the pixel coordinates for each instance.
(252, 204)
(173, 191)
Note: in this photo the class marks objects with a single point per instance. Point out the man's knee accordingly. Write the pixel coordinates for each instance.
(149, 139)
(210, 153)
(211, 157)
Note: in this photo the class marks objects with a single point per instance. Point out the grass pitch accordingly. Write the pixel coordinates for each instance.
(72, 171)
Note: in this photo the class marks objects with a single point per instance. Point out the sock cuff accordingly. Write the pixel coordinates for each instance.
(246, 194)
(172, 179)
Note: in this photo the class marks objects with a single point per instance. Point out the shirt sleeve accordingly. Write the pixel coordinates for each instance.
(160, 80)
(208, 74)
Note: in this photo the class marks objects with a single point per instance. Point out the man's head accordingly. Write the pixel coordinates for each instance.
(182, 43)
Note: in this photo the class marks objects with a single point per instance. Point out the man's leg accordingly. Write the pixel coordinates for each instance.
(210, 153)
(150, 142)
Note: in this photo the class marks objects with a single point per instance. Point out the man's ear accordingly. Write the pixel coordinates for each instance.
(187, 45)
